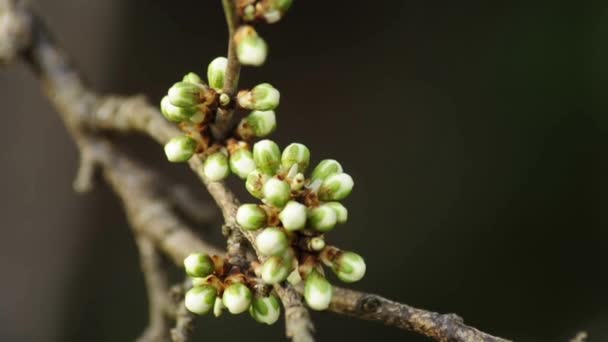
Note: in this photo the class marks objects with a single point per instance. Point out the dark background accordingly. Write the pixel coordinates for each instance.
(476, 133)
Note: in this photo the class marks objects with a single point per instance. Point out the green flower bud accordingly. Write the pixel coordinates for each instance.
(262, 97)
(198, 265)
(216, 72)
(242, 163)
(255, 183)
(197, 117)
(293, 216)
(237, 298)
(174, 113)
(297, 182)
(317, 291)
(275, 270)
(192, 78)
(218, 307)
(251, 216)
(180, 149)
(251, 49)
(265, 309)
(341, 211)
(276, 192)
(262, 122)
(295, 154)
(272, 241)
(323, 218)
(317, 243)
(267, 156)
(349, 267)
(325, 169)
(200, 299)
(184, 94)
(336, 187)
(216, 167)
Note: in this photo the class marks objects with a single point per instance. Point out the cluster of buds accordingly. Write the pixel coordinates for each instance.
(269, 11)
(192, 104)
(294, 216)
(217, 286)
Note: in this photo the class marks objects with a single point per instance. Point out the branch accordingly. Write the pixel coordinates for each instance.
(223, 118)
(158, 291)
(150, 214)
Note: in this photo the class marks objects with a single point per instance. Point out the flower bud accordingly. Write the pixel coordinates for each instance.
(251, 49)
(216, 167)
(325, 169)
(192, 78)
(265, 309)
(237, 298)
(275, 270)
(317, 291)
(272, 241)
(317, 243)
(180, 149)
(293, 216)
(273, 10)
(297, 182)
(336, 187)
(349, 267)
(198, 117)
(262, 122)
(200, 299)
(267, 156)
(276, 192)
(341, 211)
(262, 97)
(242, 163)
(323, 218)
(184, 94)
(199, 265)
(295, 154)
(255, 183)
(216, 72)
(174, 113)
(218, 307)
(251, 216)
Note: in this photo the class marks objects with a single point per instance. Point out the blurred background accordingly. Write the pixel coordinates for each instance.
(476, 133)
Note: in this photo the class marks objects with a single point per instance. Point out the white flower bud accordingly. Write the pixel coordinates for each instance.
(242, 163)
(180, 149)
(262, 97)
(185, 94)
(317, 243)
(198, 265)
(317, 291)
(341, 211)
(325, 169)
(174, 113)
(323, 218)
(265, 309)
(216, 72)
(262, 122)
(255, 183)
(267, 156)
(218, 307)
(251, 216)
(216, 167)
(293, 216)
(272, 241)
(297, 182)
(276, 192)
(295, 154)
(200, 299)
(275, 270)
(237, 298)
(251, 49)
(192, 78)
(349, 267)
(336, 187)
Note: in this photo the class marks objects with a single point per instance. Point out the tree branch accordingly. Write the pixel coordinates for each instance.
(151, 215)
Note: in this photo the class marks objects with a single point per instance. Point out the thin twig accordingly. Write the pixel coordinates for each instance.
(223, 118)
(151, 215)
